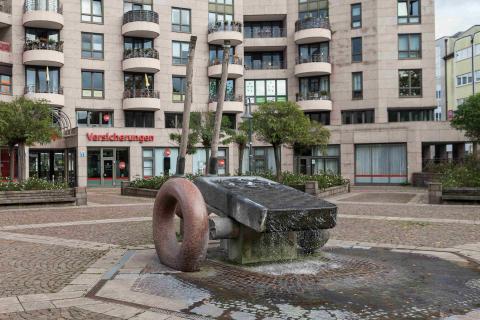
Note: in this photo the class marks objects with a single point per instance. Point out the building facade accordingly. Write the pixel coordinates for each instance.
(116, 70)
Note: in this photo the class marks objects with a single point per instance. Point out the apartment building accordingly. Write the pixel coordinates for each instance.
(115, 71)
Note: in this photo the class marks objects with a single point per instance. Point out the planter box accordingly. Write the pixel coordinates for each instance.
(137, 192)
(437, 194)
(333, 191)
(74, 196)
(422, 179)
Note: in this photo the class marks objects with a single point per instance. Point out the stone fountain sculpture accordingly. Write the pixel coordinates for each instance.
(258, 220)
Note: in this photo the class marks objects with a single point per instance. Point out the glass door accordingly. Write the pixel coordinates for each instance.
(108, 169)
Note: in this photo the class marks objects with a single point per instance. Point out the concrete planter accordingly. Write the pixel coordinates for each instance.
(422, 179)
(127, 190)
(73, 196)
(437, 194)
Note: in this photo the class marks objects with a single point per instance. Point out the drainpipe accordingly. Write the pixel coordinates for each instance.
(472, 37)
(445, 75)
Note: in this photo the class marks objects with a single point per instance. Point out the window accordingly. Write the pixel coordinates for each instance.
(180, 52)
(460, 101)
(408, 11)
(312, 9)
(314, 88)
(93, 84)
(263, 29)
(477, 76)
(411, 115)
(86, 118)
(357, 85)
(410, 46)
(137, 83)
(463, 54)
(216, 54)
(181, 20)
(321, 117)
(410, 83)
(92, 11)
(129, 5)
(199, 164)
(229, 89)
(38, 81)
(139, 119)
(358, 117)
(220, 11)
(356, 15)
(137, 43)
(44, 5)
(315, 52)
(179, 85)
(264, 60)
(92, 46)
(173, 120)
(357, 49)
(464, 79)
(317, 160)
(260, 91)
(232, 120)
(159, 161)
(42, 35)
(5, 80)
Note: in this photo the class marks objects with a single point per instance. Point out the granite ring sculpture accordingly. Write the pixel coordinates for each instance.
(180, 197)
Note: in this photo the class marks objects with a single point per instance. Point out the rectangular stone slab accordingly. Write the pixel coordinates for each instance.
(266, 206)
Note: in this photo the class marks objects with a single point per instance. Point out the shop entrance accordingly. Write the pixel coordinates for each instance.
(107, 167)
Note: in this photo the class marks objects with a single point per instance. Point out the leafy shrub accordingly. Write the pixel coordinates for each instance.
(155, 183)
(30, 184)
(461, 175)
(324, 180)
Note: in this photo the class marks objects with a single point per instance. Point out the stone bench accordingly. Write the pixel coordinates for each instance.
(72, 196)
(437, 194)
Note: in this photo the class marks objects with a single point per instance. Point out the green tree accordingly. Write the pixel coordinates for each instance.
(283, 123)
(25, 122)
(467, 118)
(240, 138)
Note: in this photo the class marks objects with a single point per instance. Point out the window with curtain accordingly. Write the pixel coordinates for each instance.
(357, 55)
(260, 91)
(93, 84)
(92, 11)
(410, 46)
(312, 9)
(181, 20)
(356, 15)
(381, 163)
(410, 83)
(43, 79)
(357, 85)
(408, 11)
(92, 45)
(220, 11)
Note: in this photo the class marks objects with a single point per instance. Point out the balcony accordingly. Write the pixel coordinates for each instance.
(225, 31)
(141, 23)
(5, 14)
(232, 103)
(277, 65)
(265, 39)
(5, 53)
(52, 94)
(235, 68)
(314, 101)
(37, 53)
(312, 30)
(141, 99)
(141, 60)
(315, 65)
(37, 16)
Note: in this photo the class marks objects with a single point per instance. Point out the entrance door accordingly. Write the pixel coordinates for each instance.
(108, 167)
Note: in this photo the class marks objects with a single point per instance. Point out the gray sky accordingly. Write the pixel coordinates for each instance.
(455, 15)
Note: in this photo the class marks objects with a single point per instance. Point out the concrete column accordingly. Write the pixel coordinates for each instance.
(82, 166)
(347, 154)
(136, 165)
(414, 157)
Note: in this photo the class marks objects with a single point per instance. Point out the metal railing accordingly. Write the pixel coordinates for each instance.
(233, 60)
(313, 95)
(225, 26)
(140, 15)
(47, 88)
(47, 5)
(140, 53)
(313, 58)
(265, 33)
(228, 97)
(5, 6)
(41, 45)
(141, 93)
(5, 46)
(270, 66)
(311, 23)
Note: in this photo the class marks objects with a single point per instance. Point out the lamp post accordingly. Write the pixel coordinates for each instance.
(247, 116)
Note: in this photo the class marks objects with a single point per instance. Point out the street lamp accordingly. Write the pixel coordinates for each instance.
(247, 116)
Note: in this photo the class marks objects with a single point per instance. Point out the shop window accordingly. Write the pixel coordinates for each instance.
(381, 164)
(317, 160)
(200, 161)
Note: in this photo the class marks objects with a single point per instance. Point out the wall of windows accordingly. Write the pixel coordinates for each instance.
(410, 83)
(312, 9)
(139, 119)
(263, 160)
(463, 54)
(260, 91)
(411, 115)
(181, 21)
(91, 118)
(220, 11)
(358, 116)
(465, 79)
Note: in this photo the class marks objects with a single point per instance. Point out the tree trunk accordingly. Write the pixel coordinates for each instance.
(11, 152)
(278, 164)
(241, 151)
(206, 160)
(213, 164)
(476, 150)
(21, 162)
(187, 106)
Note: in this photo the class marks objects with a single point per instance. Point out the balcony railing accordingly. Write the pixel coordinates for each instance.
(312, 23)
(140, 53)
(5, 46)
(141, 93)
(140, 15)
(228, 97)
(41, 45)
(313, 58)
(225, 26)
(233, 60)
(313, 95)
(267, 66)
(5, 6)
(265, 33)
(35, 5)
(45, 88)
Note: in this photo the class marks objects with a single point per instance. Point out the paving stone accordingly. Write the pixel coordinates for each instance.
(149, 315)
(57, 314)
(37, 305)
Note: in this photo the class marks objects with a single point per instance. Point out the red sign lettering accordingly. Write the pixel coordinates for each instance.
(120, 137)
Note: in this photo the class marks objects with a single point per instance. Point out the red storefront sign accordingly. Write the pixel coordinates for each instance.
(120, 137)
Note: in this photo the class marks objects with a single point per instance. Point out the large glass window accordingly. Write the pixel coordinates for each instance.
(42, 35)
(216, 55)
(315, 52)
(93, 84)
(260, 91)
(312, 9)
(159, 161)
(358, 116)
(92, 45)
(263, 160)
(264, 29)
(43, 80)
(129, 5)
(173, 120)
(229, 89)
(409, 46)
(410, 83)
(357, 85)
(381, 163)
(137, 43)
(180, 52)
(411, 115)
(314, 88)
(357, 55)
(264, 60)
(179, 86)
(93, 118)
(181, 20)
(200, 161)
(408, 11)
(138, 81)
(139, 119)
(92, 11)
(322, 117)
(356, 12)
(220, 11)
(317, 160)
